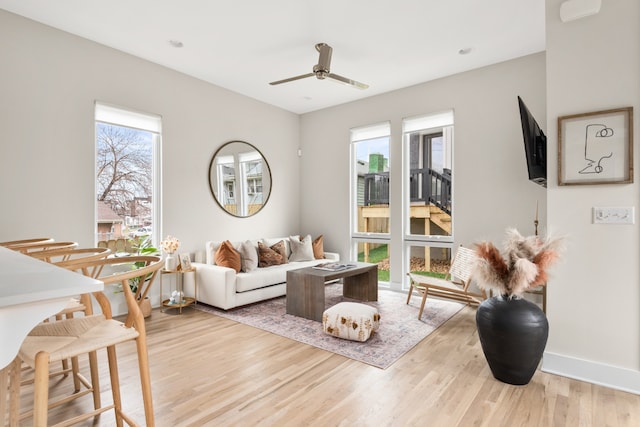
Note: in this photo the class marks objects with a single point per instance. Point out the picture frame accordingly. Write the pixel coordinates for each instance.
(596, 147)
(185, 261)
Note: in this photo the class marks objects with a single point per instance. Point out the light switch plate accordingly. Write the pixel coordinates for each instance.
(614, 215)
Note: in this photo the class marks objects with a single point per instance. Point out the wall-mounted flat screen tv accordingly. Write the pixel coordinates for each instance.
(535, 146)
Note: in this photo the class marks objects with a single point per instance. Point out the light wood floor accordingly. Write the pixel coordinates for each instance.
(210, 371)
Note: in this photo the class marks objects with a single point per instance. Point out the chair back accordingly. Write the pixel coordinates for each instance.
(16, 244)
(462, 265)
(45, 246)
(131, 268)
(70, 255)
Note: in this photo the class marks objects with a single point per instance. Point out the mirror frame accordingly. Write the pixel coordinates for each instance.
(212, 184)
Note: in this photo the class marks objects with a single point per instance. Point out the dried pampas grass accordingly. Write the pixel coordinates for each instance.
(523, 264)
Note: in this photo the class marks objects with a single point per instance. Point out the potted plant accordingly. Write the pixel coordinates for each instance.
(513, 331)
(143, 246)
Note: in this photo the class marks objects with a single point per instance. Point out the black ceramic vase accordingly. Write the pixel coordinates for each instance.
(513, 334)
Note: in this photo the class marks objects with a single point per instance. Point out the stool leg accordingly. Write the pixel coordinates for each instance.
(95, 379)
(115, 383)
(14, 384)
(65, 362)
(4, 387)
(41, 390)
(145, 379)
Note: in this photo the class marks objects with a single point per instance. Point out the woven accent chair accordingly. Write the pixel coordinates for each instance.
(454, 286)
(68, 338)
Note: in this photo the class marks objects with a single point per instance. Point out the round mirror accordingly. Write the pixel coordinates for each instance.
(239, 178)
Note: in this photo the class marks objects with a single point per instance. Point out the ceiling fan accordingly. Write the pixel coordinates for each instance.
(321, 70)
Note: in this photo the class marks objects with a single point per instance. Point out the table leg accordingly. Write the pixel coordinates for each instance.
(363, 286)
(180, 281)
(305, 296)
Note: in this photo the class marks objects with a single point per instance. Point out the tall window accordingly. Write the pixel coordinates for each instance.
(370, 213)
(428, 148)
(127, 177)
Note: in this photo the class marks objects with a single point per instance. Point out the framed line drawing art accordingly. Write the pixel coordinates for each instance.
(185, 261)
(596, 148)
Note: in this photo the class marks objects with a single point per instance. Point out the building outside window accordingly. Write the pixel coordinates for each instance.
(370, 196)
(428, 207)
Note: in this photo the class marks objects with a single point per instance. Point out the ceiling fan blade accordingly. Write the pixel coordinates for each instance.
(290, 79)
(347, 81)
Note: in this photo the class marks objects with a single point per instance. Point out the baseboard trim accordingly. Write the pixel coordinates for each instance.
(596, 373)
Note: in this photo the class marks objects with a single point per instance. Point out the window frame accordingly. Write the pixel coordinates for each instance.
(113, 115)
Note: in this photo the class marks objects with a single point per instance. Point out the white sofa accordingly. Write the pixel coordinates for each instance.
(222, 287)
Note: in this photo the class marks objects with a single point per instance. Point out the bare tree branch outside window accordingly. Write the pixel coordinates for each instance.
(124, 170)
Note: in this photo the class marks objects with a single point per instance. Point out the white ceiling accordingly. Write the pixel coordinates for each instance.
(242, 45)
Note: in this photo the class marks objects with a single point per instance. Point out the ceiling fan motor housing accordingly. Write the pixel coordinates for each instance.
(324, 61)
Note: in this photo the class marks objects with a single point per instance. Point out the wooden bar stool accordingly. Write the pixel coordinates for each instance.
(54, 341)
(68, 258)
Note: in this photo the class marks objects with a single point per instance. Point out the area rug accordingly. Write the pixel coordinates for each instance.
(400, 330)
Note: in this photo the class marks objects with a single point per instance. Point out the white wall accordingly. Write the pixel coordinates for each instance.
(49, 81)
(491, 189)
(593, 64)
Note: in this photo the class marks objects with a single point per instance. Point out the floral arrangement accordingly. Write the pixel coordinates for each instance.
(170, 245)
(522, 266)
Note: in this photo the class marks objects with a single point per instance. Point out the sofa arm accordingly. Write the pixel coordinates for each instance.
(333, 256)
(216, 285)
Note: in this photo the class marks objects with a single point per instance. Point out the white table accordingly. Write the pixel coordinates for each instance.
(30, 291)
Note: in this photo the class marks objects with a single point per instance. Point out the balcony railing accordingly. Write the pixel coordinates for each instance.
(426, 185)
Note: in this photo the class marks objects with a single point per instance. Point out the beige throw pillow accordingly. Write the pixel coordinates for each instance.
(301, 250)
(249, 256)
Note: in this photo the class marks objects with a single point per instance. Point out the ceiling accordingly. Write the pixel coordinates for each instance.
(242, 45)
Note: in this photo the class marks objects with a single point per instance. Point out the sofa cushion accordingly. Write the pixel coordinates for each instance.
(227, 256)
(212, 246)
(268, 276)
(318, 247)
(262, 277)
(249, 256)
(272, 241)
(301, 250)
(274, 255)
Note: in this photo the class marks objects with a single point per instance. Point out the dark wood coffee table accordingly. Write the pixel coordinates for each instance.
(305, 287)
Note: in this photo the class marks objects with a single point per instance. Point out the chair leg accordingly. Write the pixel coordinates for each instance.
(74, 371)
(115, 384)
(14, 401)
(4, 387)
(41, 390)
(410, 294)
(95, 378)
(424, 299)
(145, 380)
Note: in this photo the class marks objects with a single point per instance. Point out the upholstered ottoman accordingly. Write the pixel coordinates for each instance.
(351, 321)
